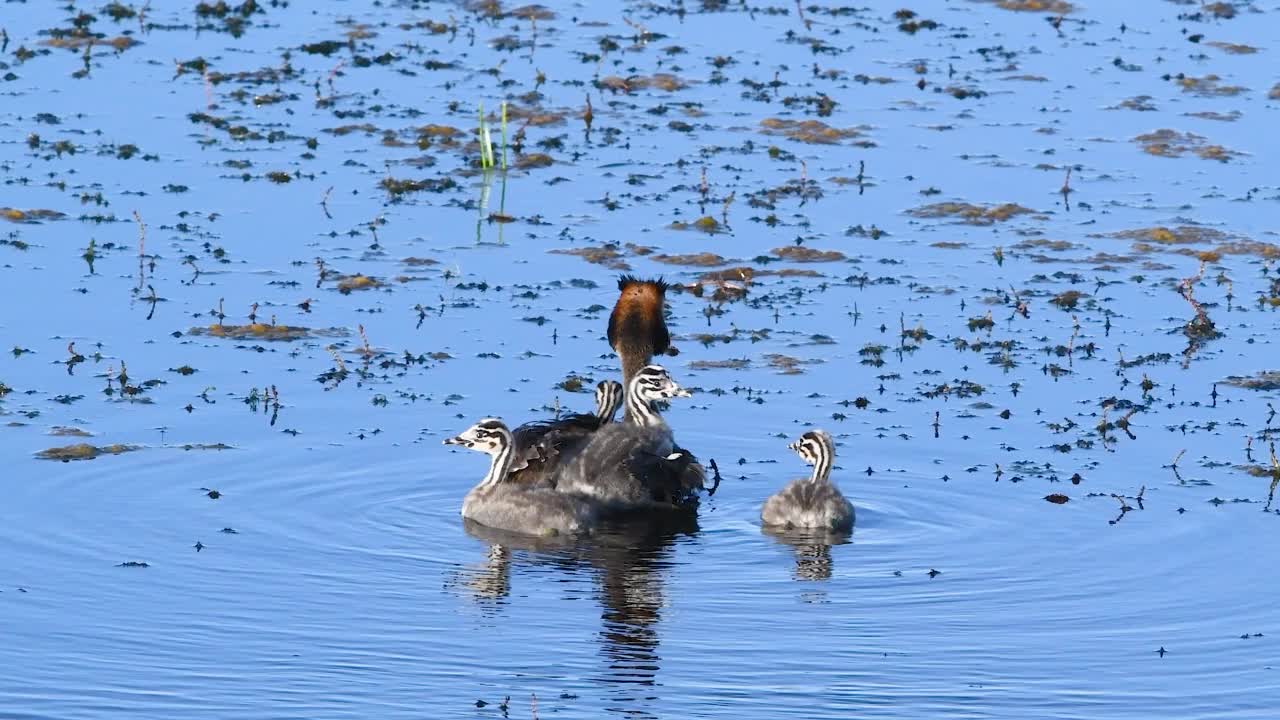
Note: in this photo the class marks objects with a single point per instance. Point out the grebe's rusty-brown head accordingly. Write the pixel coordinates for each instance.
(637, 326)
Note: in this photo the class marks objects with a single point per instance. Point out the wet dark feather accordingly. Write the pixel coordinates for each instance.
(670, 481)
(540, 444)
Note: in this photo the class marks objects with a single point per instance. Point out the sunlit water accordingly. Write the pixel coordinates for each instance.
(331, 577)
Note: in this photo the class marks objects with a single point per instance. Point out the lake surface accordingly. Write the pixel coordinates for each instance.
(1021, 264)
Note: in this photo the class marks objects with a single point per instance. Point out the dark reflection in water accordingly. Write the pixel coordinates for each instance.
(812, 549)
(633, 559)
(488, 583)
(630, 559)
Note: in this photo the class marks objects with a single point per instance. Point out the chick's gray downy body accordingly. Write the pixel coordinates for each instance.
(503, 505)
(812, 502)
(633, 464)
(543, 446)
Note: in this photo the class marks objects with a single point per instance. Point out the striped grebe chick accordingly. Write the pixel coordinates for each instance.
(542, 446)
(634, 464)
(812, 502)
(516, 508)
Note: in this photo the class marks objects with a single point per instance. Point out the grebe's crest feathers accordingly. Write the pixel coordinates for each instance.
(658, 284)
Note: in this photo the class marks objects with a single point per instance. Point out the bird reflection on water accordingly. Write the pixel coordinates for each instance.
(812, 548)
(630, 559)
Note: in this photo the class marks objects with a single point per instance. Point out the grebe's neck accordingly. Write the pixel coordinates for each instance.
(499, 465)
(822, 463)
(639, 409)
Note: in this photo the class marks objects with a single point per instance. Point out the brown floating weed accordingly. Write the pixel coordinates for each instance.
(706, 224)
(1057, 7)
(799, 253)
(1173, 144)
(970, 213)
(1233, 48)
(1208, 86)
(253, 331)
(814, 132)
(358, 282)
(83, 451)
(606, 255)
(702, 259)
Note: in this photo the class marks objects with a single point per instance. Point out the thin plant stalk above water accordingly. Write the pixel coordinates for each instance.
(487, 160)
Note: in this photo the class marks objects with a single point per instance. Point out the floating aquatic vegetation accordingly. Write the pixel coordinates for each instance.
(821, 103)
(534, 116)
(1057, 7)
(1223, 10)
(1068, 299)
(120, 43)
(1266, 380)
(445, 135)
(83, 451)
(962, 92)
(351, 283)
(1233, 48)
(255, 331)
(29, 216)
(1141, 103)
(1221, 117)
(530, 161)
(981, 323)
(1046, 244)
(606, 255)
(970, 213)
(743, 274)
(67, 431)
(706, 224)
(702, 259)
(324, 47)
(1268, 251)
(1172, 144)
(206, 446)
(955, 388)
(788, 365)
(910, 23)
(1208, 86)
(660, 81)
(1179, 235)
(396, 188)
(431, 26)
(814, 132)
(575, 383)
(731, 364)
(222, 9)
(800, 253)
